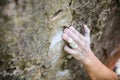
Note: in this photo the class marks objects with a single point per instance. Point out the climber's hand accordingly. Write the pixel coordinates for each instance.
(80, 45)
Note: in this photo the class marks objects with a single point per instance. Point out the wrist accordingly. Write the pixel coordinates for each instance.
(91, 60)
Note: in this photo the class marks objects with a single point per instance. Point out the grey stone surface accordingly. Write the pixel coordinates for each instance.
(31, 46)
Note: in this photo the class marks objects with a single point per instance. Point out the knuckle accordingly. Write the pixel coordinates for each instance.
(77, 53)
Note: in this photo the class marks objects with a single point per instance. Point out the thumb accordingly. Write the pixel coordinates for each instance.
(87, 33)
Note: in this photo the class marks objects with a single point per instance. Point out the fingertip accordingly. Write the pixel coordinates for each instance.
(64, 36)
(67, 49)
(85, 26)
(72, 27)
(64, 30)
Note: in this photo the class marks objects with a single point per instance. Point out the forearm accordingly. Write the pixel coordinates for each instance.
(98, 71)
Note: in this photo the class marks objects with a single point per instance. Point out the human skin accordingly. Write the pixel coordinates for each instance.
(83, 53)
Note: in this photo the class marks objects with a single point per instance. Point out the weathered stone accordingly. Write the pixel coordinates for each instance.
(31, 45)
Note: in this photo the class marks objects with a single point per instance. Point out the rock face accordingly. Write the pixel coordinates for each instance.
(31, 45)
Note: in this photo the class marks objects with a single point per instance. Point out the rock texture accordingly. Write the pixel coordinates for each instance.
(31, 46)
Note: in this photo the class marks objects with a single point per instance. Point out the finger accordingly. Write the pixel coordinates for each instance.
(67, 38)
(72, 36)
(76, 32)
(87, 33)
(69, 50)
